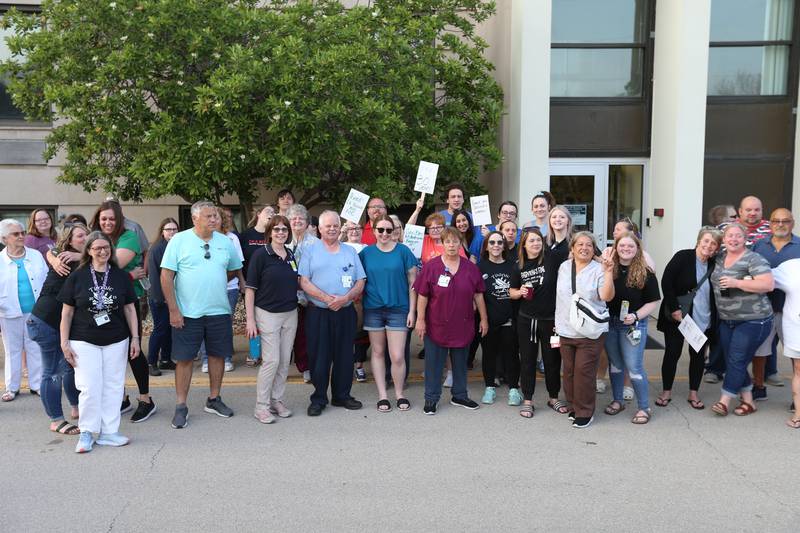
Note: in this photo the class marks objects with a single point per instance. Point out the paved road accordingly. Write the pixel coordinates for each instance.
(361, 470)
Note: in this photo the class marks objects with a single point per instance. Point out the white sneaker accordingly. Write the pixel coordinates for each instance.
(205, 368)
(627, 393)
(448, 381)
(112, 439)
(600, 386)
(228, 366)
(306, 376)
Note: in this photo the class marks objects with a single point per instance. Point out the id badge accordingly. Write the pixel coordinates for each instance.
(444, 281)
(347, 281)
(555, 341)
(293, 264)
(634, 336)
(102, 318)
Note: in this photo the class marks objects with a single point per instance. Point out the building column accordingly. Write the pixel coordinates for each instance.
(528, 149)
(680, 80)
(795, 205)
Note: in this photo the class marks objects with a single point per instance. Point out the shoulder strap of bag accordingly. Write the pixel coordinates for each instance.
(699, 283)
(574, 274)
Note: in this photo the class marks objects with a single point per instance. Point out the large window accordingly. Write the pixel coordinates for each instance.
(7, 108)
(750, 47)
(598, 48)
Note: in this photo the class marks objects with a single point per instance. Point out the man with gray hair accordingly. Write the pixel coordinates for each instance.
(195, 270)
(332, 276)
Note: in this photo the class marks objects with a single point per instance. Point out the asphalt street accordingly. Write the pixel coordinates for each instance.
(401, 471)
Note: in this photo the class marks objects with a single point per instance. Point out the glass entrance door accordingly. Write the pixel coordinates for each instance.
(581, 188)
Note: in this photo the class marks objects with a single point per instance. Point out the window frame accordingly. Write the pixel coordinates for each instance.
(22, 122)
(646, 45)
(791, 76)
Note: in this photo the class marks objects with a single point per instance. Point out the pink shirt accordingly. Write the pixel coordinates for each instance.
(450, 315)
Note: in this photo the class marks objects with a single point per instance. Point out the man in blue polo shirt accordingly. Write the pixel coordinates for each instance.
(195, 270)
(781, 246)
(332, 276)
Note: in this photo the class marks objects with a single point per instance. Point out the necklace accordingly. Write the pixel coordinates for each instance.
(17, 256)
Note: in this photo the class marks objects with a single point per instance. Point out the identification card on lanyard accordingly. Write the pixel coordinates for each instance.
(444, 279)
(101, 317)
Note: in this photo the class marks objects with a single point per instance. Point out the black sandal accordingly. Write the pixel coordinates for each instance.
(403, 404)
(384, 406)
(65, 428)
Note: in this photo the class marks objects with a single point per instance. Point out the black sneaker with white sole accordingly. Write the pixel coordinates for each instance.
(465, 403)
(430, 408)
(144, 411)
(571, 416)
(126, 406)
(582, 422)
(218, 407)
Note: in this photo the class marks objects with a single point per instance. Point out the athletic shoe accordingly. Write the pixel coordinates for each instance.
(571, 416)
(540, 366)
(361, 375)
(712, 378)
(600, 386)
(759, 393)
(112, 439)
(229, 366)
(489, 395)
(514, 397)
(181, 418)
(430, 408)
(126, 405)
(205, 368)
(465, 403)
(166, 365)
(218, 407)
(627, 393)
(278, 408)
(774, 380)
(264, 416)
(448, 381)
(582, 422)
(154, 371)
(85, 442)
(306, 376)
(144, 411)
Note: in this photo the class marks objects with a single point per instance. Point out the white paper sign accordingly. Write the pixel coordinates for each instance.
(692, 333)
(354, 206)
(412, 237)
(426, 177)
(481, 214)
(578, 212)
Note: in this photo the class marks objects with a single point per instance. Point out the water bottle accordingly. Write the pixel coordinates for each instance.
(255, 347)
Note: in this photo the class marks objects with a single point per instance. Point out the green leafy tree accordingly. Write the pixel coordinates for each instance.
(202, 98)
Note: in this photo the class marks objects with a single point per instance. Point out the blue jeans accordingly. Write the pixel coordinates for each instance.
(56, 372)
(739, 340)
(161, 337)
(623, 355)
(435, 357)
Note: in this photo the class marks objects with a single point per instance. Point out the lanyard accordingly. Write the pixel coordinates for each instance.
(101, 290)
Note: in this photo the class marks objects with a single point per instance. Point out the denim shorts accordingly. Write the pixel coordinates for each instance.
(216, 330)
(385, 318)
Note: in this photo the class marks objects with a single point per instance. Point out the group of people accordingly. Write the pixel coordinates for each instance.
(73, 303)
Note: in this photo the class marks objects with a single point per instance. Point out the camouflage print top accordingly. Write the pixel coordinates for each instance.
(738, 304)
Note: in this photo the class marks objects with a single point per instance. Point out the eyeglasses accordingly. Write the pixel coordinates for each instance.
(171, 229)
(101, 249)
(384, 230)
(509, 213)
(778, 221)
(208, 254)
(436, 228)
(377, 207)
(17, 234)
(280, 229)
(496, 243)
(47, 219)
(357, 228)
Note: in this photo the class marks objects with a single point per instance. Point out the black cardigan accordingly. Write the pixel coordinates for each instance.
(678, 279)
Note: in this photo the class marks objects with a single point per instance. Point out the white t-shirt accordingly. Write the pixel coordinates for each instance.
(234, 283)
(786, 277)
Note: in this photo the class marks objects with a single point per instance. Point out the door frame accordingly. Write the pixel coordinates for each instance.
(599, 167)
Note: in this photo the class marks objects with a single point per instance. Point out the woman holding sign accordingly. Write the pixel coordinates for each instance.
(389, 303)
(687, 291)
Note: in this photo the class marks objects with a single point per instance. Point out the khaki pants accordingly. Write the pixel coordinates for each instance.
(580, 358)
(277, 331)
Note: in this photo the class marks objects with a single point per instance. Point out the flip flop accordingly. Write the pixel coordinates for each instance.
(793, 423)
(65, 428)
(696, 404)
(662, 402)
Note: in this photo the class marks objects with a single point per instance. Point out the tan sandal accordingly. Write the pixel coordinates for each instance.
(642, 419)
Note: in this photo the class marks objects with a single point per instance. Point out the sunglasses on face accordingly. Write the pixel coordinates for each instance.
(495, 243)
(384, 230)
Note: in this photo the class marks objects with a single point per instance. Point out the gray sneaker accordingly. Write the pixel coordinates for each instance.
(775, 380)
(712, 378)
(218, 407)
(181, 418)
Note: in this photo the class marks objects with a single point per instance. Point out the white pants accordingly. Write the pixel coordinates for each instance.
(100, 376)
(15, 341)
(277, 332)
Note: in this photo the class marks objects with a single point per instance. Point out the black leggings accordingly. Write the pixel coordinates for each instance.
(139, 365)
(500, 342)
(529, 343)
(673, 347)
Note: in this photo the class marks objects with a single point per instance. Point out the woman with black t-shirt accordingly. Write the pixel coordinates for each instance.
(501, 278)
(636, 295)
(43, 328)
(97, 318)
(536, 322)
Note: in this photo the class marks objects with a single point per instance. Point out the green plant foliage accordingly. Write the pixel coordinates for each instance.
(202, 98)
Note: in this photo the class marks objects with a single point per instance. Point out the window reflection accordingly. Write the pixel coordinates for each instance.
(751, 20)
(583, 72)
(625, 184)
(756, 70)
(591, 21)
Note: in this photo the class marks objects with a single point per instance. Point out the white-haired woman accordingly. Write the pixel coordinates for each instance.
(22, 274)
